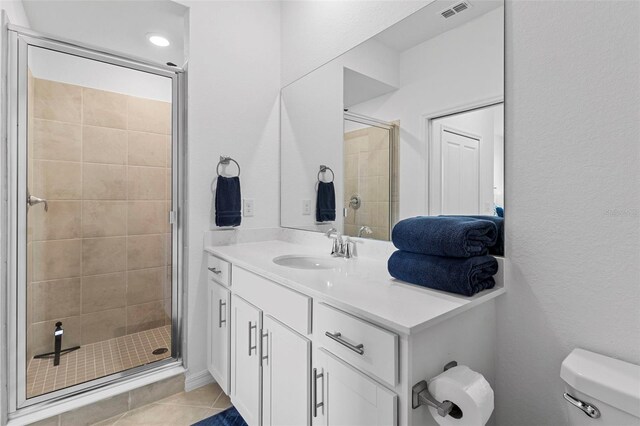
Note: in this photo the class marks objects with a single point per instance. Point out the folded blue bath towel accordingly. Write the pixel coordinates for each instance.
(498, 248)
(445, 236)
(228, 201)
(326, 202)
(455, 275)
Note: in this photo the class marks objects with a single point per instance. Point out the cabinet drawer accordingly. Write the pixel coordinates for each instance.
(219, 270)
(288, 306)
(358, 342)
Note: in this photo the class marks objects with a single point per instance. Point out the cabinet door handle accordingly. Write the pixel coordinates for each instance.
(215, 270)
(359, 348)
(221, 318)
(251, 347)
(264, 347)
(314, 389)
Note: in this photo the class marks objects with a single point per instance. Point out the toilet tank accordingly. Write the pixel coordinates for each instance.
(610, 385)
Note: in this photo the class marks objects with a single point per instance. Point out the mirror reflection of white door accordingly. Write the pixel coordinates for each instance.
(460, 173)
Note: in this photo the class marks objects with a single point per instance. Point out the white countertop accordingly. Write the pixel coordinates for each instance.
(362, 285)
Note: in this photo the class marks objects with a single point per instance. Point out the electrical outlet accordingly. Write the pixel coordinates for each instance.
(247, 207)
(306, 207)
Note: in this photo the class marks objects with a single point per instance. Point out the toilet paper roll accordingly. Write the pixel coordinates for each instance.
(469, 390)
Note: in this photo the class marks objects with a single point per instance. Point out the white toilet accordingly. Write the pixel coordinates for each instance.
(602, 390)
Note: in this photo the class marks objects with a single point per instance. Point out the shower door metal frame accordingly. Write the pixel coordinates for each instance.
(15, 165)
(394, 139)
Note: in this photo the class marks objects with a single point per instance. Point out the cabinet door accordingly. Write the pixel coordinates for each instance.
(245, 359)
(218, 335)
(286, 363)
(344, 396)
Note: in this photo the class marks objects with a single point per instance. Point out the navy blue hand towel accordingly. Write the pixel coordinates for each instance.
(498, 248)
(455, 275)
(445, 236)
(228, 201)
(326, 202)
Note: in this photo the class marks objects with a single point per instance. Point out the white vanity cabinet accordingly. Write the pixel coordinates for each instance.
(300, 356)
(218, 334)
(246, 380)
(270, 360)
(344, 396)
(285, 371)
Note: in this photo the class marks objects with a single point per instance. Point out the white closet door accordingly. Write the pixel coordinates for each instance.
(460, 174)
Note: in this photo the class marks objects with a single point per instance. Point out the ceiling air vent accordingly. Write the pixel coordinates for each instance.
(448, 13)
(455, 9)
(460, 7)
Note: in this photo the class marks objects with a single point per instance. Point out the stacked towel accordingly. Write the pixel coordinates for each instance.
(465, 276)
(445, 236)
(498, 248)
(326, 202)
(228, 201)
(447, 253)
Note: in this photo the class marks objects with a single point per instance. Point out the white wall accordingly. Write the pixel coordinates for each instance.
(314, 32)
(459, 67)
(234, 82)
(49, 65)
(571, 147)
(312, 130)
(311, 135)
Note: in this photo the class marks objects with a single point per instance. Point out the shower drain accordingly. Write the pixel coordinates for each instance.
(160, 351)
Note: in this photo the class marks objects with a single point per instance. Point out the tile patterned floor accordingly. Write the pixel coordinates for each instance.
(97, 360)
(183, 409)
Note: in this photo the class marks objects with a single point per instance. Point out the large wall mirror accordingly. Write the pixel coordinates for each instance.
(408, 123)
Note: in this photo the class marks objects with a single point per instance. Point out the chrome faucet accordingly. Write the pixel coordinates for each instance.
(342, 246)
(364, 230)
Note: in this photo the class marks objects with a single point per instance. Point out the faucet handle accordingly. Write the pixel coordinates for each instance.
(336, 248)
(348, 248)
(331, 232)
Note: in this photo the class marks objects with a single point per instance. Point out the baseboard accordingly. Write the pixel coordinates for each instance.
(197, 380)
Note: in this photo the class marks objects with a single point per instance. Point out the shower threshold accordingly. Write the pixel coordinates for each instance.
(95, 360)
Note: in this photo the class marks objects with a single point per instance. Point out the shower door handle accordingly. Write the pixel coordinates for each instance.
(32, 201)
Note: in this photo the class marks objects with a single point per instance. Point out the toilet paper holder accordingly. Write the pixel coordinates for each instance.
(420, 395)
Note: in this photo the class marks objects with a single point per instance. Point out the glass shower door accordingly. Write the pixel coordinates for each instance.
(368, 180)
(98, 143)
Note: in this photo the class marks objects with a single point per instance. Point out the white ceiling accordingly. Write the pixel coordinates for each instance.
(120, 26)
(358, 88)
(427, 23)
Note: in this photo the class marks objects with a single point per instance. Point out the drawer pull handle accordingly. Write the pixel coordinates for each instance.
(317, 404)
(215, 271)
(221, 319)
(359, 349)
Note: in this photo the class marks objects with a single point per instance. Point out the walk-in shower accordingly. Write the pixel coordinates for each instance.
(94, 190)
(370, 176)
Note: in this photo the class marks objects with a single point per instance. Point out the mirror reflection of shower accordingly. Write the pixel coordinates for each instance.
(369, 154)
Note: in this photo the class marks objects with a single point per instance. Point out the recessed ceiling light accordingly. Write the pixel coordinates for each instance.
(158, 40)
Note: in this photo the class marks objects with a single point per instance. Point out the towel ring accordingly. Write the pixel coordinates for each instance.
(323, 169)
(225, 161)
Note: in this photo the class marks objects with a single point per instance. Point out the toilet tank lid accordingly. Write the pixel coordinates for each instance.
(609, 380)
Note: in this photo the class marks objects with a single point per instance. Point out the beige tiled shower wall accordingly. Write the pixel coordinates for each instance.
(100, 258)
(366, 168)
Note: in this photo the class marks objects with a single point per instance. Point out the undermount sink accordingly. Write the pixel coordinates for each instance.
(306, 262)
